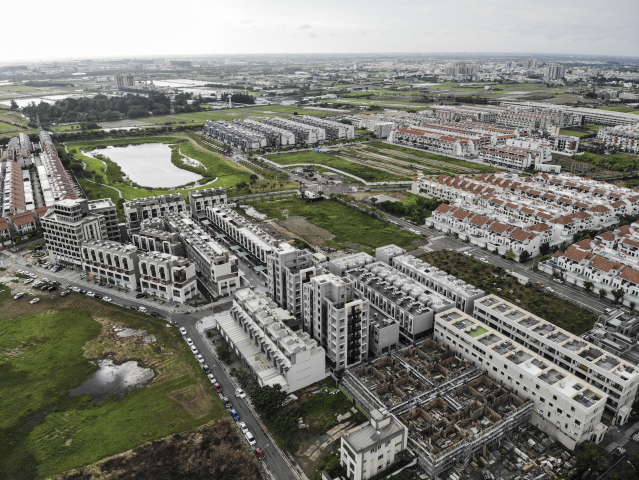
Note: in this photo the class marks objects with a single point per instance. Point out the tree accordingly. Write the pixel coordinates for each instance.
(523, 256)
(544, 248)
(588, 286)
(510, 254)
(592, 456)
(285, 426)
(618, 293)
(224, 352)
(242, 376)
(267, 398)
(14, 105)
(603, 293)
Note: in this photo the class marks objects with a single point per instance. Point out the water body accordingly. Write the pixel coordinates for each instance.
(23, 102)
(111, 379)
(181, 82)
(149, 165)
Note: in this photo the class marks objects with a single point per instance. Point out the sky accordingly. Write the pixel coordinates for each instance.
(132, 28)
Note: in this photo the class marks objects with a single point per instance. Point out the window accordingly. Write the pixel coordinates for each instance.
(554, 397)
(572, 409)
(559, 411)
(381, 457)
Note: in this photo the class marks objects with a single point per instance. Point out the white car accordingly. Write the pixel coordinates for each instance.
(32, 275)
(239, 393)
(18, 296)
(27, 282)
(468, 254)
(189, 342)
(243, 427)
(35, 300)
(107, 299)
(75, 289)
(194, 350)
(90, 294)
(548, 289)
(21, 272)
(211, 378)
(143, 309)
(483, 260)
(183, 330)
(200, 359)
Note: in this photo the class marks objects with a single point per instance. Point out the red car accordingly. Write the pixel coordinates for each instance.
(259, 454)
(218, 388)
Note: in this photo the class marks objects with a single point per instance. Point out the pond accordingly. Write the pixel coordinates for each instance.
(149, 165)
(113, 379)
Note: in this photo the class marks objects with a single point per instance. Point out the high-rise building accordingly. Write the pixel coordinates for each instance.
(555, 72)
(106, 209)
(124, 80)
(531, 63)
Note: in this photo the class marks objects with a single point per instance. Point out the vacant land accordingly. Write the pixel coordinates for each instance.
(45, 351)
(365, 172)
(621, 109)
(490, 279)
(213, 451)
(350, 227)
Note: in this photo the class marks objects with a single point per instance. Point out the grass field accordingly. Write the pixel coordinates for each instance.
(575, 133)
(229, 173)
(45, 351)
(349, 226)
(365, 172)
(621, 109)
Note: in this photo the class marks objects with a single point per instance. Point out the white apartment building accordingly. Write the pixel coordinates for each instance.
(555, 72)
(615, 378)
(235, 134)
(565, 407)
(111, 261)
(370, 448)
(275, 136)
(509, 157)
(334, 130)
(136, 211)
(576, 115)
(153, 237)
(307, 134)
(252, 238)
(167, 276)
(337, 318)
(625, 137)
(54, 179)
(200, 200)
(566, 144)
(106, 208)
(288, 269)
(256, 329)
(383, 129)
(66, 226)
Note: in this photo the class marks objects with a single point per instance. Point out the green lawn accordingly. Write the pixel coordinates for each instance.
(478, 332)
(229, 173)
(575, 133)
(349, 226)
(621, 109)
(45, 351)
(620, 162)
(365, 172)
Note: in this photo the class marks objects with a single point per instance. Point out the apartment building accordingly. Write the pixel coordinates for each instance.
(153, 237)
(383, 129)
(509, 157)
(526, 120)
(13, 191)
(55, 181)
(566, 144)
(167, 276)
(334, 130)
(306, 134)
(575, 115)
(288, 269)
(275, 136)
(66, 226)
(473, 113)
(252, 238)
(216, 267)
(624, 137)
(616, 379)
(564, 406)
(124, 80)
(446, 143)
(112, 262)
(106, 208)
(337, 318)
(370, 448)
(136, 211)
(257, 330)
(200, 200)
(555, 72)
(235, 134)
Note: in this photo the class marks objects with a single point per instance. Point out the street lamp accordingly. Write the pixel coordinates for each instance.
(633, 467)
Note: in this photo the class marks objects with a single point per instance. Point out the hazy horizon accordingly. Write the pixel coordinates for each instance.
(126, 29)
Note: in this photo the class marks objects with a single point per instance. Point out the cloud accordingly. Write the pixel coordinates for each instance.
(304, 26)
(248, 20)
(312, 35)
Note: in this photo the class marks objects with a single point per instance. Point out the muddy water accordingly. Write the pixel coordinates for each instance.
(113, 379)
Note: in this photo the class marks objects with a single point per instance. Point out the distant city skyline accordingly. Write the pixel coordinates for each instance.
(249, 27)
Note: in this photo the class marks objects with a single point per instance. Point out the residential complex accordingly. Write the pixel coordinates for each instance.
(136, 211)
(334, 130)
(235, 134)
(200, 200)
(275, 136)
(304, 134)
(625, 137)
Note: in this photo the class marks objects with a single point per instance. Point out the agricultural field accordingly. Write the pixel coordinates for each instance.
(366, 172)
(50, 349)
(490, 279)
(338, 225)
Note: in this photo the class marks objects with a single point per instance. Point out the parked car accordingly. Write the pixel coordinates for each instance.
(140, 295)
(206, 368)
(143, 309)
(183, 330)
(483, 260)
(200, 359)
(259, 454)
(133, 307)
(83, 292)
(194, 350)
(90, 294)
(250, 438)
(156, 315)
(65, 293)
(35, 300)
(235, 415)
(98, 296)
(55, 282)
(189, 342)
(107, 299)
(239, 393)
(17, 296)
(212, 378)
(76, 289)
(27, 282)
(217, 387)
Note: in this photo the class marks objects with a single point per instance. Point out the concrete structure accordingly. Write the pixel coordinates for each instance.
(13, 191)
(334, 130)
(275, 136)
(624, 137)
(273, 353)
(337, 318)
(383, 129)
(566, 144)
(200, 200)
(236, 135)
(574, 115)
(124, 80)
(113, 262)
(306, 134)
(565, 407)
(370, 448)
(136, 211)
(105, 208)
(612, 380)
(167, 276)
(68, 225)
(555, 72)
(430, 139)
(153, 237)
(55, 181)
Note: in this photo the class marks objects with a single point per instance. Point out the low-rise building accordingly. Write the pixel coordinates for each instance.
(235, 134)
(625, 137)
(167, 276)
(334, 130)
(111, 262)
(305, 134)
(136, 211)
(275, 136)
(200, 200)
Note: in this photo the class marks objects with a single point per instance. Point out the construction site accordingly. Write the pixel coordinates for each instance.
(459, 420)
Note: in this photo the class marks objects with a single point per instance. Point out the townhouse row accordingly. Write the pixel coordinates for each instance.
(625, 137)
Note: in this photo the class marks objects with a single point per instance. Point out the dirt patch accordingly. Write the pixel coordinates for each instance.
(398, 195)
(300, 228)
(211, 452)
(193, 399)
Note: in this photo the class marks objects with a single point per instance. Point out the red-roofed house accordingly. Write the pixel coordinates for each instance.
(23, 223)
